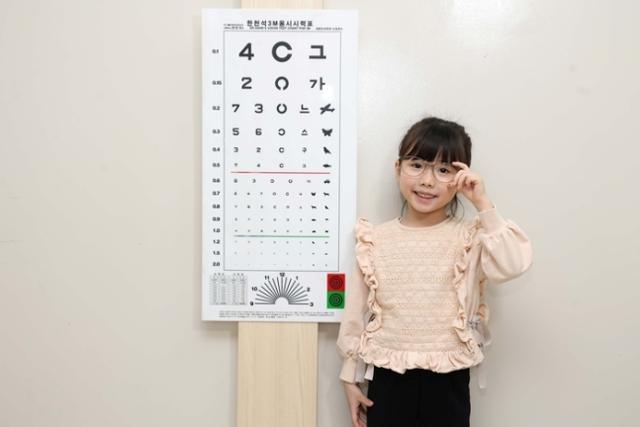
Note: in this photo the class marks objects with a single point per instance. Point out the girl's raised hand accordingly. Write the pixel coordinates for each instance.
(357, 402)
(471, 185)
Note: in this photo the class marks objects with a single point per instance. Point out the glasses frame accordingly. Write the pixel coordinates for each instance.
(430, 165)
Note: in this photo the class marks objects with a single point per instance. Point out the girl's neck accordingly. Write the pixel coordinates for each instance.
(419, 219)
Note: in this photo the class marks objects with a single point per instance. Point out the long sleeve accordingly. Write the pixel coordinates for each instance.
(352, 324)
(506, 251)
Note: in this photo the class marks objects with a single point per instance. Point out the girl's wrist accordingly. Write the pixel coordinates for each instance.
(484, 205)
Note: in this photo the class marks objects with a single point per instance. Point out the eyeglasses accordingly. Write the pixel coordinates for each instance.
(415, 167)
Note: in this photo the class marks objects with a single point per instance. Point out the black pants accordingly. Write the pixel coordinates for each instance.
(419, 398)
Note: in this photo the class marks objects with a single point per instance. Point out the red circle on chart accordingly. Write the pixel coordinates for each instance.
(335, 282)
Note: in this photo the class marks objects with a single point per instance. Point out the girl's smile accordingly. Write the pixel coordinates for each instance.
(425, 196)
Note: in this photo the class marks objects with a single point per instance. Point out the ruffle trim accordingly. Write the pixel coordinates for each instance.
(460, 323)
(401, 360)
(470, 331)
(364, 257)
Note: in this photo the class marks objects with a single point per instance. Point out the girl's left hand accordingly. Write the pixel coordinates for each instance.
(471, 185)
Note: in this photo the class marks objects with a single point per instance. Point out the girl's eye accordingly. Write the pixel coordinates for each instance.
(444, 170)
(416, 165)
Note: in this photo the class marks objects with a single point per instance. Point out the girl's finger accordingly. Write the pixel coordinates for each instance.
(362, 418)
(457, 177)
(460, 181)
(355, 417)
(365, 401)
(460, 165)
(476, 180)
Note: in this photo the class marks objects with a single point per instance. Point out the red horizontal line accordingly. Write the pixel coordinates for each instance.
(286, 173)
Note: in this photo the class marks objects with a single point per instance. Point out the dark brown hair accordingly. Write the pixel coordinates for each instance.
(433, 138)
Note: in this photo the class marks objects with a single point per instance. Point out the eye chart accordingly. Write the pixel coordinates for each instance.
(279, 163)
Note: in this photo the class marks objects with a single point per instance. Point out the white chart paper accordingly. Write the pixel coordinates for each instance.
(279, 163)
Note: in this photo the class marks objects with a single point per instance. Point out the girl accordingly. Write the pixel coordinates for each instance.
(415, 320)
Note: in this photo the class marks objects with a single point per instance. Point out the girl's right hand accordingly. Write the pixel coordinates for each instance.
(357, 402)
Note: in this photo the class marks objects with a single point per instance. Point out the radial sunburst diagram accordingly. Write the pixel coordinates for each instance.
(282, 287)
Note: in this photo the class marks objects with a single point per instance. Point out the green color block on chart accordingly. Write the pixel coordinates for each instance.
(335, 299)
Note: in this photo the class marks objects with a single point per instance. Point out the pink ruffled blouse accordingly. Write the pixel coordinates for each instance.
(416, 296)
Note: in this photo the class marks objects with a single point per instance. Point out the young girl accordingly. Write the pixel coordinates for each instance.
(415, 320)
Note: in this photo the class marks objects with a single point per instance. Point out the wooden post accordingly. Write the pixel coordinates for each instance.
(277, 362)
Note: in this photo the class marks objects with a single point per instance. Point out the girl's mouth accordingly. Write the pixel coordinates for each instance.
(425, 196)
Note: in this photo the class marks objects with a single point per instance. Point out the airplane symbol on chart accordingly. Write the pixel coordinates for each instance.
(327, 132)
(327, 108)
(326, 194)
(326, 165)
(326, 150)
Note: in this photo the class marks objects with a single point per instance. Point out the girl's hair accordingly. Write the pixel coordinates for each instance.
(432, 138)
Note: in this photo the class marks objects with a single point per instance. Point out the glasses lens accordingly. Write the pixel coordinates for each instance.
(444, 172)
(413, 167)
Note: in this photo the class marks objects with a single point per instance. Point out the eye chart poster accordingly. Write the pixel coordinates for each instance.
(279, 163)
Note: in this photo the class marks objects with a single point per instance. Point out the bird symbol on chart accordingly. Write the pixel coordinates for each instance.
(327, 108)
(326, 150)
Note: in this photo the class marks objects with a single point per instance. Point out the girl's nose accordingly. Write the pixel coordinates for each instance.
(428, 177)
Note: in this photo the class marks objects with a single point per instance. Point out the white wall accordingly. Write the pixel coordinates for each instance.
(100, 206)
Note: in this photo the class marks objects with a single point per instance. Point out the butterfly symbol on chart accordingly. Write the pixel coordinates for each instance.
(327, 132)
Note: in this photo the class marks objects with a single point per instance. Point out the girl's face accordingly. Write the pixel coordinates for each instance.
(426, 195)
